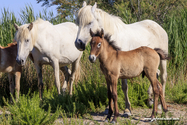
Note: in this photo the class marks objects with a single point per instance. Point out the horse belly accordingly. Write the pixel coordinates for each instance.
(127, 71)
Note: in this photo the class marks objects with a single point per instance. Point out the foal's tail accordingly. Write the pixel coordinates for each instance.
(162, 54)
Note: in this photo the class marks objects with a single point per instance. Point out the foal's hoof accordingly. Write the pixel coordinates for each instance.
(165, 110)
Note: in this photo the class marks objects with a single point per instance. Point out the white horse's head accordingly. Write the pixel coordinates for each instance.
(25, 42)
(87, 17)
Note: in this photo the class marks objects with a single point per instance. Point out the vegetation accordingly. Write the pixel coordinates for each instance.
(90, 93)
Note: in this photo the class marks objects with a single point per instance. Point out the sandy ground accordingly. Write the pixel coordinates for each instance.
(139, 116)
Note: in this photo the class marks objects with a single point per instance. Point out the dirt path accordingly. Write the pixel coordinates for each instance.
(139, 117)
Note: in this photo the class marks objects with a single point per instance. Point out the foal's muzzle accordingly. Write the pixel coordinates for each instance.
(92, 58)
(80, 45)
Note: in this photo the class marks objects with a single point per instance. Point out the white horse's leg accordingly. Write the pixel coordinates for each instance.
(67, 73)
(56, 71)
(40, 82)
(127, 112)
(17, 83)
(75, 71)
(11, 84)
(163, 68)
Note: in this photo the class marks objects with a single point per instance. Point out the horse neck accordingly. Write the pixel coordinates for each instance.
(106, 52)
(111, 24)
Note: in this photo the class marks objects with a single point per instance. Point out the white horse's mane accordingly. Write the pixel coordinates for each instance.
(23, 30)
(110, 22)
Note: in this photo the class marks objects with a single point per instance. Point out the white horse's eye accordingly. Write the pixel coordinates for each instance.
(98, 45)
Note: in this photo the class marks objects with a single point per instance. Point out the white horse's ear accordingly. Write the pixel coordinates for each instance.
(16, 26)
(94, 7)
(84, 4)
(91, 33)
(30, 26)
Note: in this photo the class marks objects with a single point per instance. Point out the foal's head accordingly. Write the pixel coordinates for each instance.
(96, 44)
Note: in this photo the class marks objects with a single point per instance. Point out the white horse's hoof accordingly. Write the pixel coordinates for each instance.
(113, 122)
(126, 114)
(150, 102)
(106, 120)
(106, 111)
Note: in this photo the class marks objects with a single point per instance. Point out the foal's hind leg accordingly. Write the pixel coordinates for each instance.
(164, 106)
(150, 91)
(127, 112)
(67, 73)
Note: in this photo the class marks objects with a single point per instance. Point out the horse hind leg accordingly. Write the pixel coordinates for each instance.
(75, 72)
(17, 83)
(67, 73)
(56, 72)
(11, 85)
(164, 106)
(40, 82)
(150, 91)
(163, 67)
(127, 112)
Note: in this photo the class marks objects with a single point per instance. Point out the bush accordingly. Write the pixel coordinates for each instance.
(28, 110)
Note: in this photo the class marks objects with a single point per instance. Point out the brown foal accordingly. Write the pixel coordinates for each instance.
(8, 64)
(117, 64)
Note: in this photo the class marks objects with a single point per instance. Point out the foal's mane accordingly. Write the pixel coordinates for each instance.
(107, 37)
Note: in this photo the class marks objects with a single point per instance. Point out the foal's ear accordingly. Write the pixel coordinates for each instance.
(94, 7)
(84, 4)
(102, 33)
(91, 33)
(30, 26)
(16, 26)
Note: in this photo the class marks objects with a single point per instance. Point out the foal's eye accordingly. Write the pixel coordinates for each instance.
(98, 45)
(89, 23)
(27, 40)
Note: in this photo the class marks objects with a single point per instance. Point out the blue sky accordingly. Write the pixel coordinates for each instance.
(16, 5)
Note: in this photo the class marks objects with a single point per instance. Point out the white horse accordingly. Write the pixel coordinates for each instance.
(52, 45)
(127, 37)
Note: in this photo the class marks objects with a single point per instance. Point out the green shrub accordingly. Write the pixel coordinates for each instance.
(28, 110)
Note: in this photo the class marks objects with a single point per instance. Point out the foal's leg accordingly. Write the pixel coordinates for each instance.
(164, 106)
(127, 112)
(115, 97)
(56, 71)
(11, 84)
(163, 67)
(150, 91)
(110, 103)
(17, 83)
(67, 73)
(154, 84)
(40, 82)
